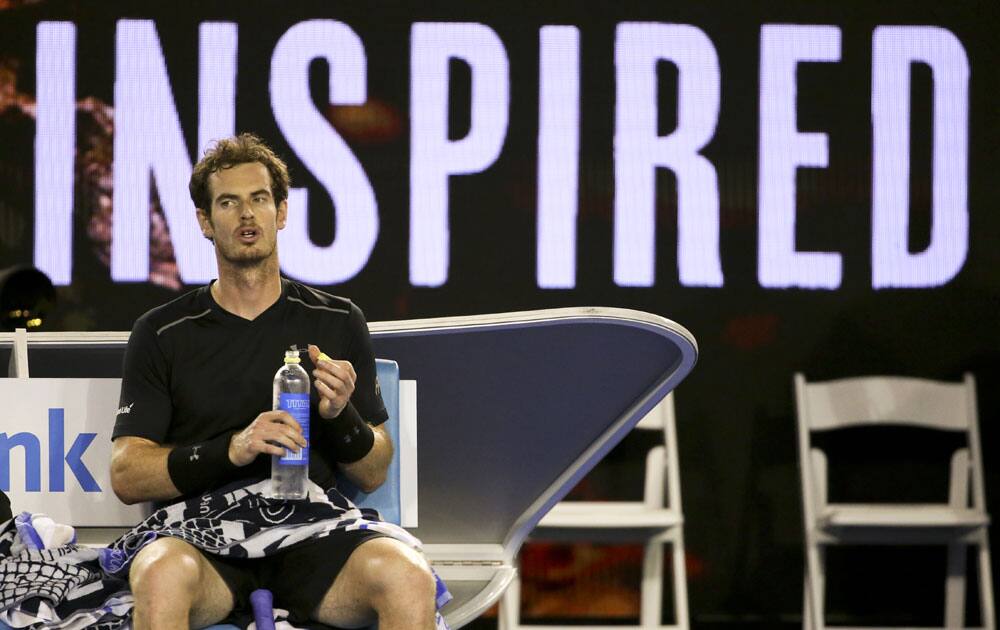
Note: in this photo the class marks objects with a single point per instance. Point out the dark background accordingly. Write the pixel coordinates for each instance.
(736, 411)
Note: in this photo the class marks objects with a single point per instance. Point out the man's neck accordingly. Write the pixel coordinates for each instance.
(247, 291)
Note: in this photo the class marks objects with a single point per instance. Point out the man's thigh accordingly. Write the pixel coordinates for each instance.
(215, 601)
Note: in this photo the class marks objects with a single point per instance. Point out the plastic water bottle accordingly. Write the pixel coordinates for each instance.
(290, 473)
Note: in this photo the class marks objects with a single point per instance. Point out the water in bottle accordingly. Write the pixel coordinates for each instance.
(290, 473)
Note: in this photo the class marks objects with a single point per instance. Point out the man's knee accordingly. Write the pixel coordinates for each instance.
(396, 572)
(174, 584)
(166, 566)
(383, 578)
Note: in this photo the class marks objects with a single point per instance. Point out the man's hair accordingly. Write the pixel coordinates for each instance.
(245, 148)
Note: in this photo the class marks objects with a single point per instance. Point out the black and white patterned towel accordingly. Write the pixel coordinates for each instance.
(62, 587)
(75, 587)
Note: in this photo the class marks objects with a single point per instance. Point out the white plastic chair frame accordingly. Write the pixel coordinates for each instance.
(961, 522)
(658, 516)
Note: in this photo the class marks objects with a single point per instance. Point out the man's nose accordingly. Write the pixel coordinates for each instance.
(246, 210)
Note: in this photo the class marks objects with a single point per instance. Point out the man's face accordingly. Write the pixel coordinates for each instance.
(244, 221)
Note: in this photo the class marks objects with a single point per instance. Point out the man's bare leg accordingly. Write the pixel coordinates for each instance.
(383, 579)
(176, 588)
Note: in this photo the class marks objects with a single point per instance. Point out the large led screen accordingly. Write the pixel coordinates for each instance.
(806, 186)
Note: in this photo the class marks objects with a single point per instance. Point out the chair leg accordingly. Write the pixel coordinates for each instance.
(680, 581)
(651, 598)
(954, 586)
(814, 588)
(806, 605)
(509, 613)
(986, 608)
(651, 606)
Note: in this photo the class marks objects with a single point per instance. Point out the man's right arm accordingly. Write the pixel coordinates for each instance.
(143, 470)
(139, 471)
(138, 457)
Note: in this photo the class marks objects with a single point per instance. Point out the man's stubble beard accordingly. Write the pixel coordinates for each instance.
(246, 260)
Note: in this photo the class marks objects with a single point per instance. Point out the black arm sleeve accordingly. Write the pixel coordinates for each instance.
(144, 408)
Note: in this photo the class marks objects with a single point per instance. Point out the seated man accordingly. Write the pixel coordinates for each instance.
(195, 415)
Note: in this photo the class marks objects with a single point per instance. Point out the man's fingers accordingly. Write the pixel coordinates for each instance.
(288, 434)
(271, 449)
(339, 376)
(272, 433)
(333, 382)
(343, 369)
(320, 358)
(350, 370)
(314, 353)
(282, 418)
(326, 391)
(285, 424)
(275, 426)
(298, 439)
(277, 444)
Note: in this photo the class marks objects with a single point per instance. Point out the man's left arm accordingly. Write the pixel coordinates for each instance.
(363, 451)
(369, 472)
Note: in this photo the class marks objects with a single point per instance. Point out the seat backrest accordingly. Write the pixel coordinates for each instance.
(884, 400)
(385, 499)
(889, 401)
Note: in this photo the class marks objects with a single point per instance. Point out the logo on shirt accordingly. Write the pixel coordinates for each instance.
(194, 453)
(125, 409)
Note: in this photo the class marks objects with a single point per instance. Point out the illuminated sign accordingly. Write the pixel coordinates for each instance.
(149, 148)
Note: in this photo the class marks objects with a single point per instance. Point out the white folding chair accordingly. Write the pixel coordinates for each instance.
(961, 522)
(657, 520)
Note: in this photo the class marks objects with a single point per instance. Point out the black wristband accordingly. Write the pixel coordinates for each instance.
(352, 437)
(201, 466)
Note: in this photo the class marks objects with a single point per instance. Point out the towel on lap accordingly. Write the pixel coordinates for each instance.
(76, 587)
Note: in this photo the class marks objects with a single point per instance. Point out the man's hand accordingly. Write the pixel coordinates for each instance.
(267, 430)
(334, 380)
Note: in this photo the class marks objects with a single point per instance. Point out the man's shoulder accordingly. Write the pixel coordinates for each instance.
(181, 308)
(311, 298)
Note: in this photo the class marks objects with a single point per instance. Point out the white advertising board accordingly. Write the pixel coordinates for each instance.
(55, 450)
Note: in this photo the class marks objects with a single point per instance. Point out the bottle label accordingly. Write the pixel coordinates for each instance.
(297, 405)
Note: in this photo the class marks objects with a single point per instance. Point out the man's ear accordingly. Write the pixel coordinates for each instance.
(282, 214)
(205, 221)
